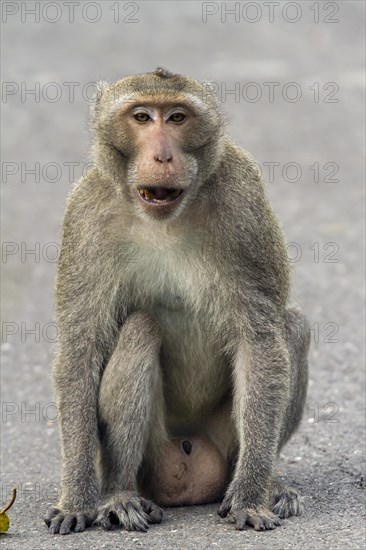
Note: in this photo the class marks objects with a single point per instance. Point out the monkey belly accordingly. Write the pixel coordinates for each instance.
(195, 374)
(191, 470)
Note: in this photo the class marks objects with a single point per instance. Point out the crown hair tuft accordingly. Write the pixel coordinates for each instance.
(163, 73)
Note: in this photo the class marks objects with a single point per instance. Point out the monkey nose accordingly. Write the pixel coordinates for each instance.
(164, 159)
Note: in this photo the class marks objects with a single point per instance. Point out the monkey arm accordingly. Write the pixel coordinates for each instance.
(77, 400)
(85, 300)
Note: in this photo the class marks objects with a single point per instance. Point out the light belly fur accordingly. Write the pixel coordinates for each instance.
(195, 370)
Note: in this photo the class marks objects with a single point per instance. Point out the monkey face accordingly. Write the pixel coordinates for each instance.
(162, 172)
(158, 141)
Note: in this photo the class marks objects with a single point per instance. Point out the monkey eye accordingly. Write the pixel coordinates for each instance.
(141, 117)
(177, 117)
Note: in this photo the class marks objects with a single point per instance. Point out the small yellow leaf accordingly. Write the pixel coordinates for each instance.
(4, 520)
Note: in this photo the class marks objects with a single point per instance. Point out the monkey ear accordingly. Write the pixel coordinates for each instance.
(100, 88)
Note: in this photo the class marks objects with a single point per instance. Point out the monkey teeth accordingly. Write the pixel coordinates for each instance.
(159, 195)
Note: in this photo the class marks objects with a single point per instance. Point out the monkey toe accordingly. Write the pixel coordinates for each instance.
(123, 516)
(259, 518)
(263, 520)
(137, 519)
(286, 503)
(154, 512)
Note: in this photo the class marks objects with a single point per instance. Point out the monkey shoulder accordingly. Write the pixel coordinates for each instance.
(241, 198)
(85, 227)
(90, 195)
(253, 236)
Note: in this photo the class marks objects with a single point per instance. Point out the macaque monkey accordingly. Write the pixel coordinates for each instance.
(181, 368)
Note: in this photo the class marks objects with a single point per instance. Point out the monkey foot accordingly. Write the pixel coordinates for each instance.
(64, 523)
(260, 518)
(128, 510)
(285, 502)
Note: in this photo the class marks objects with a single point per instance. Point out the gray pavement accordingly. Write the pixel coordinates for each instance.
(317, 190)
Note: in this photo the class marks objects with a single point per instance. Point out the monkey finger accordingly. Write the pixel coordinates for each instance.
(68, 524)
(56, 523)
(257, 522)
(80, 523)
(224, 510)
(240, 520)
(51, 513)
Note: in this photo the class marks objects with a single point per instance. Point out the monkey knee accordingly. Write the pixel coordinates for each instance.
(134, 363)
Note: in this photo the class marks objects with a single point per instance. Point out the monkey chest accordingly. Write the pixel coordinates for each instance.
(178, 294)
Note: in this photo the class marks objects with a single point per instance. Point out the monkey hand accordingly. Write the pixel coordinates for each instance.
(63, 522)
(127, 509)
(259, 517)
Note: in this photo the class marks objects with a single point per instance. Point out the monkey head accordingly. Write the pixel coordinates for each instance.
(155, 135)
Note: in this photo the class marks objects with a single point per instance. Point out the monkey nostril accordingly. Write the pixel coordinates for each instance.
(187, 447)
(162, 159)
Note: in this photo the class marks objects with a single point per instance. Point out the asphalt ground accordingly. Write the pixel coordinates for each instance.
(296, 73)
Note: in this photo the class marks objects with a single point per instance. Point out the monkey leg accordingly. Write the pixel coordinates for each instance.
(285, 501)
(130, 409)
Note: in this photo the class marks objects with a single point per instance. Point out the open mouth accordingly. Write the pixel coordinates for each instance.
(159, 195)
